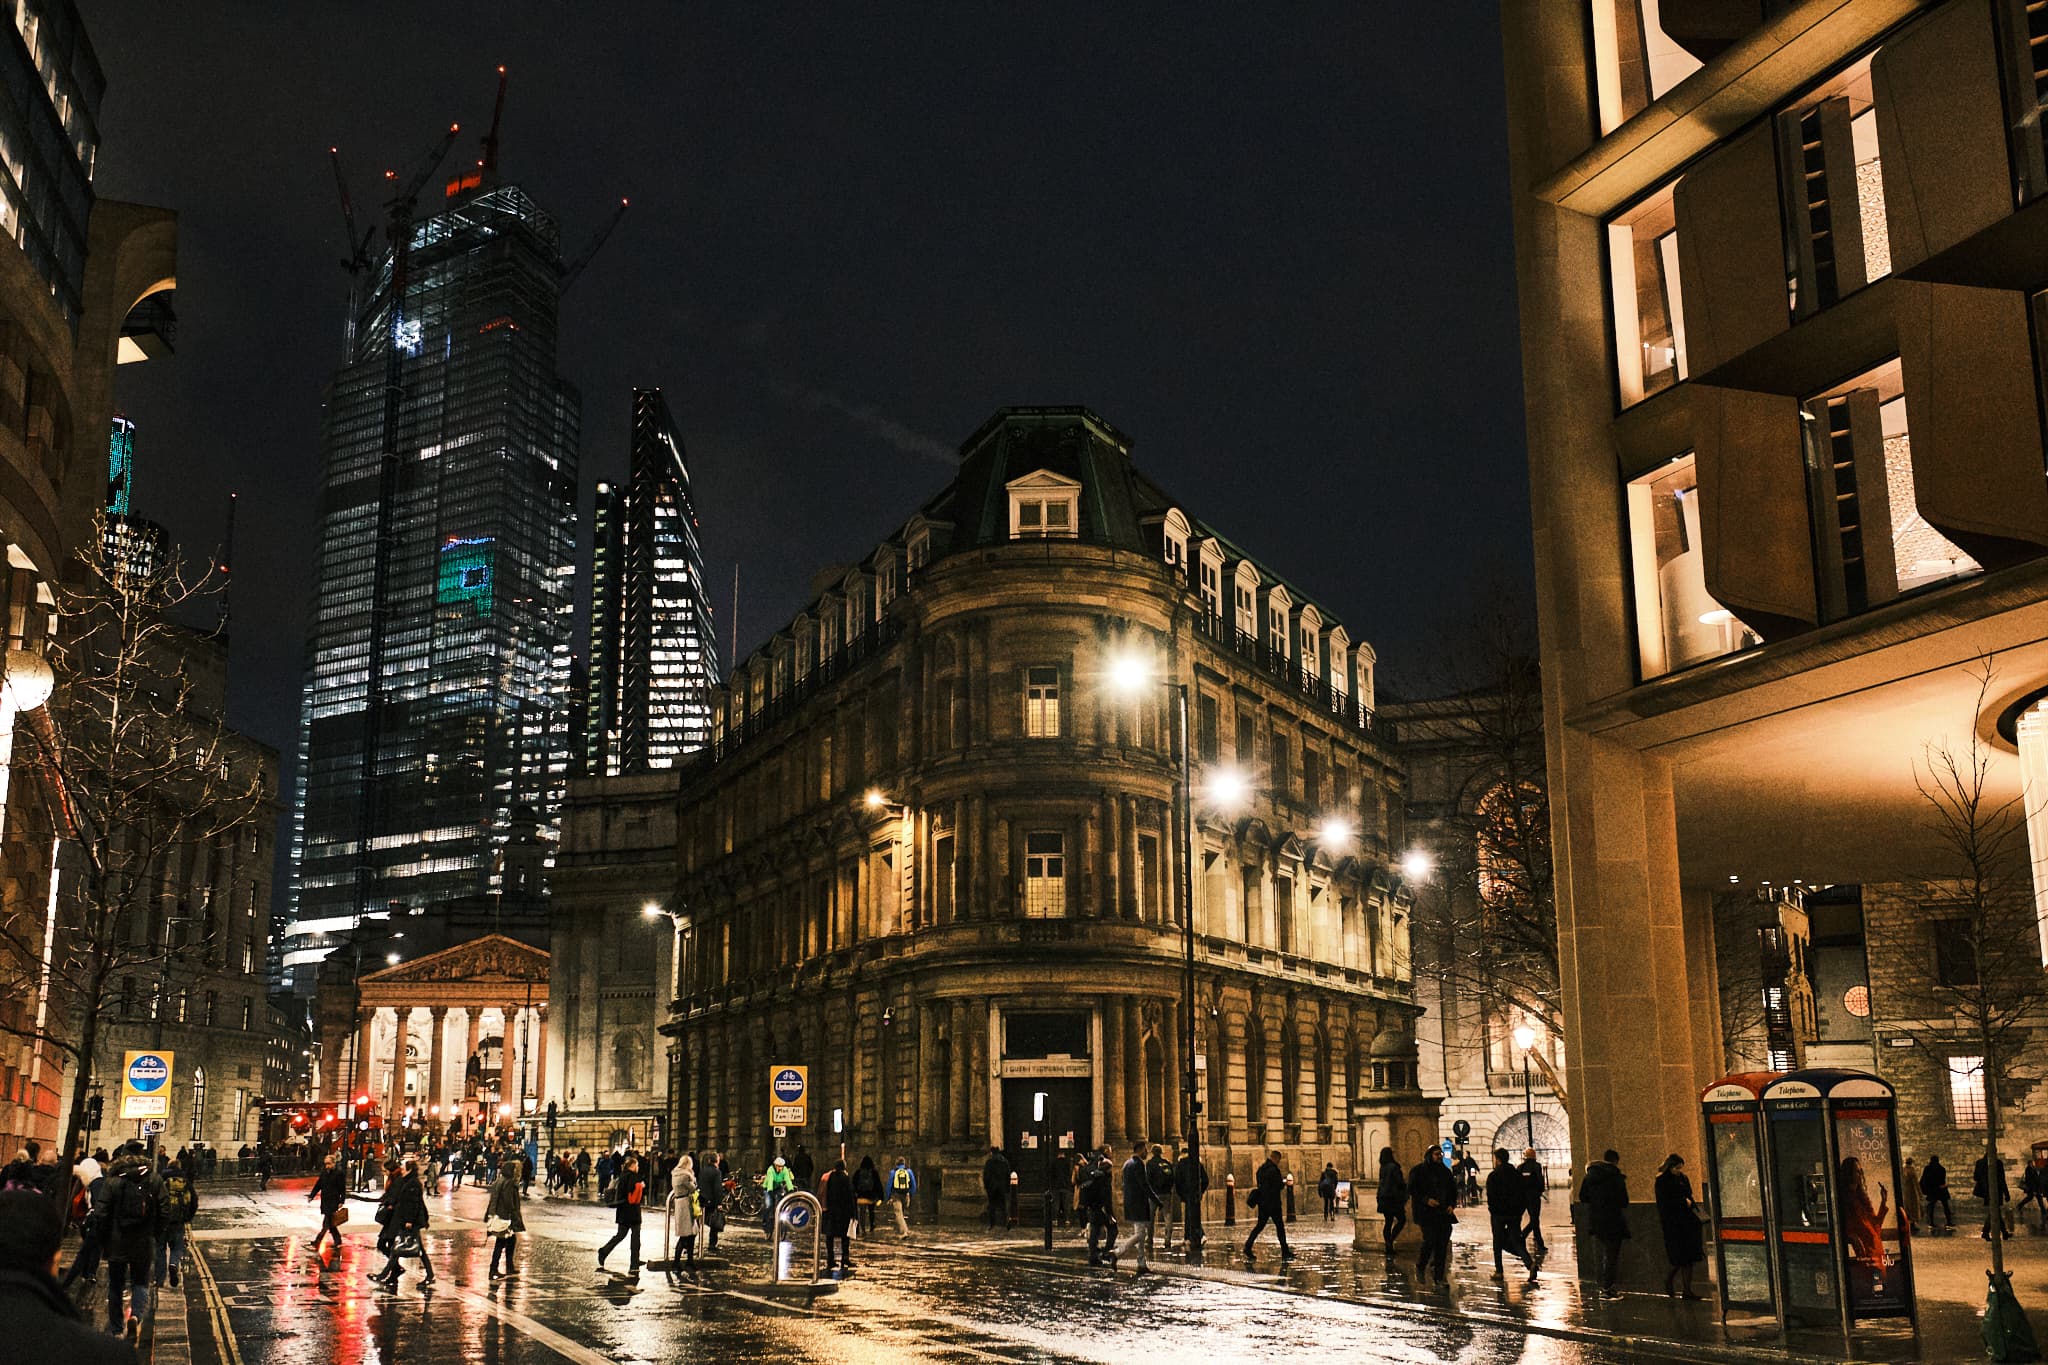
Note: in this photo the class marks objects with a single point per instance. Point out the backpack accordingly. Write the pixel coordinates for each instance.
(128, 1204)
(179, 1201)
(901, 1178)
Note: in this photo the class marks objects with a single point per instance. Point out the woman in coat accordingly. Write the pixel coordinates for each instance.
(1393, 1197)
(504, 1208)
(683, 1205)
(1679, 1217)
(629, 1193)
(406, 1225)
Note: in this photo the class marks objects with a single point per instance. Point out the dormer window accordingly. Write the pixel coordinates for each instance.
(1245, 611)
(920, 550)
(1212, 580)
(1044, 506)
(1174, 543)
(1311, 640)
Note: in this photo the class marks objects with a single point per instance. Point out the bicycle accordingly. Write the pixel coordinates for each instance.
(743, 1199)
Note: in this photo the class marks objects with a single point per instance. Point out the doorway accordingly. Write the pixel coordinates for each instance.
(1072, 1115)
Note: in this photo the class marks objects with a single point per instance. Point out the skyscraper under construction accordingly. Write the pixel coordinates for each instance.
(434, 723)
(653, 653)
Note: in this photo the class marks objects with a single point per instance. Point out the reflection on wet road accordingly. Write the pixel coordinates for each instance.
(283, 1307)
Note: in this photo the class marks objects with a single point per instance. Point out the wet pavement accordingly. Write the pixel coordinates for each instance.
(951, 1293)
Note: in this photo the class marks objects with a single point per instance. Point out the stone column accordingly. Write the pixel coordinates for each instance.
(958, 1057)
(1136, 1077)
(476, 1037)
(395, 1105)
(366, 1057)
(437, 1026)
(540, 1056)
(977, 1071)
(1130, 895)
(1113, 1080)
(1175, 1073)
(1275, 1081)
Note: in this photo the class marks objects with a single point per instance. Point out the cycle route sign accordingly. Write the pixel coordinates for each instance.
(788, 1095)
(146, 1084)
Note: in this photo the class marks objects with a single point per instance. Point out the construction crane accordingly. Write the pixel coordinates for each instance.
(573, 266)
(489, 164)
(357, 262)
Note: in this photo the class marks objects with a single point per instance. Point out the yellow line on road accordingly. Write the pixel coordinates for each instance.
(216, 1308)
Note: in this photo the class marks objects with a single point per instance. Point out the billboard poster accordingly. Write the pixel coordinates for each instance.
(1879, 1276)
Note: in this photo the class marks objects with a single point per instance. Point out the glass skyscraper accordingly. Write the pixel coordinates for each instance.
(413, 806)
(653, 652)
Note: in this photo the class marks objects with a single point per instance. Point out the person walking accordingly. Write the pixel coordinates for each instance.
(1391, 1198)
(685, 1210)
(605, 1167)
(1999, 1209)
(42, 1322)
(179, 1202)
(1059, 1184)
(1679, 1218)
(1268, 1192)
(1159, 1175)
(1326, 1186)
(332, 1192)
(1433, 1193)
(995, 1188)
(582, 1171)
(867, 1194)
(407, 1226)
(503, 1221)
(1506, 1206)
(630, 1194)
(263, 1165)
(836, 1195)
(1095, 1196)
(1535, 1188)
(1190, 1182)
(1604, 1192)
(92, 1231)
(1140, 1204)
(1934, 1190)
(1909, 1196)
(2034, 1190)
(711, 1198)
(902, 1189)
(803, 1167)
(129, 1207)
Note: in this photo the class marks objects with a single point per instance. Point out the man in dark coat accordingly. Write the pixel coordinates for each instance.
(1934, 1193)
(332, 1192)
(1159, 1175)
(41, 1322)
(995, 1187)
(1507, 1203)
(1190, 1180)
(1980, 1189)
(131, 1201)
(1268, 1192)
(1060, 1184)
(1604, 1192)
(1139, 1203)
(1095, 1197)
(840, 1208)
(1535, 1185)
(801, 1166)
(1433, 1194)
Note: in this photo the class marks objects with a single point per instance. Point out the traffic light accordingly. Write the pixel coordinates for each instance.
(551, 1114)
(95, 1106)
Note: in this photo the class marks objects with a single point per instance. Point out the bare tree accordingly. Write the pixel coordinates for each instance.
(1964, 973)
(1486, 919)
(139, 785)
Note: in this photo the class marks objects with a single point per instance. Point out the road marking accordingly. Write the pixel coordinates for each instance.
(216, 1309)
(540, 1332)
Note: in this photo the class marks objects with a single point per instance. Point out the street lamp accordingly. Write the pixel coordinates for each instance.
(1525, 1038)
(1130, 674)
(1416, 865)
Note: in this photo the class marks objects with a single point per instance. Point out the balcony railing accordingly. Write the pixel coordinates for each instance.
(848, 657)
(1287, 670)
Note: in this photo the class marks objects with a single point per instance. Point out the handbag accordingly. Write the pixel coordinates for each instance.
(340, 1215)
(716, 1218)
(696, 1205)
(498, 1226)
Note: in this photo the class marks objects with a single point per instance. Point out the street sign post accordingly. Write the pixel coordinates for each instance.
(788, 1095)
(146, 1084)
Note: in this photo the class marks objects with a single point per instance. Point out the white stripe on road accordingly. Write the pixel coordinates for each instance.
(545, 1335)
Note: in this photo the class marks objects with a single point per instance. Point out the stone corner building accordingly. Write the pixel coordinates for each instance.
(931, 855)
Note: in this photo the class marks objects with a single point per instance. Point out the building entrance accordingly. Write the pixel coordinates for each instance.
(1072, 1114)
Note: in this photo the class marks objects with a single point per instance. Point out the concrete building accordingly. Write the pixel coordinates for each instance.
(1780, 281)
(612, 956)
(85, 284)
(932, 854)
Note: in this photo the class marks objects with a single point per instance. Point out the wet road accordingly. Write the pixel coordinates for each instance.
(260, 1298)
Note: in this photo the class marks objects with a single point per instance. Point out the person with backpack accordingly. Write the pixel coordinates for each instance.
(1391, 1198)
(1326, 1186)
(629, 1194)
(1159, 1175)
(130, 1204)
(332, 1192)
(902, 1189)
(42, 1324)
(1535, 1188)
(179, 1202)
(867, 1194)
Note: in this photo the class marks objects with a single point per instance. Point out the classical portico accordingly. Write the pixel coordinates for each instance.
(461, 1033)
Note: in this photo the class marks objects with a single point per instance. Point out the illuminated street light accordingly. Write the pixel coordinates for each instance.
(875, 799)
(1416, 865)
(391, 959)
(1525, 1039)
(1335, 832)
(1128, 674)
(652, 909)
(1227, 789)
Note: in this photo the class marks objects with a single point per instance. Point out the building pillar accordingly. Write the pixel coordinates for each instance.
(1174, 1072)
(540, 1056)
(1135, 1077)
(395, 1106)
(958, 1055)
(476, 1037)
(978, 1071)
(366, 1056)
(1131, 895)
(931, 1080)
(437, 1016)
(1113, 1080)
(1628, 979)
(1274, 1084)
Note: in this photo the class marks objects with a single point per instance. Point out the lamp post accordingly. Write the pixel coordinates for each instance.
(1525, 1038)
(679, 926)
(1130, 675)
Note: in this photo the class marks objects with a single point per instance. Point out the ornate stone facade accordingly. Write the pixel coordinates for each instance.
(933, 853)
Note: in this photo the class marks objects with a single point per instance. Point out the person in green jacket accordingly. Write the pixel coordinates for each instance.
(774, 1185)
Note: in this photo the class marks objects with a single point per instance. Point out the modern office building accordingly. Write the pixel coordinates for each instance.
(932, 853)
(436, 717)
(653, 650)
(84, 285)
(1781, 279)
(121, 465)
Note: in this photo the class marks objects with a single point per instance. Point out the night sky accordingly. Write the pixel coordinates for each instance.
(1270, 244)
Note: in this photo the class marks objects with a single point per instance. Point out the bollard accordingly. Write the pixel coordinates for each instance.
(1230, 1200)
(1047, 1200)
(1290, 1197)
(1013, 1199)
